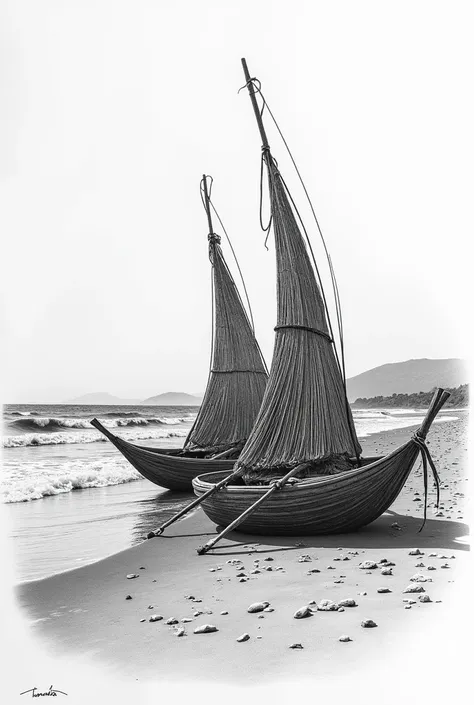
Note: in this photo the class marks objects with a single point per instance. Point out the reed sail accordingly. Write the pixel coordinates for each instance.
(234, 391)
(300, 470)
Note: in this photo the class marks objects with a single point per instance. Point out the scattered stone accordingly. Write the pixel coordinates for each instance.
(419, 565)
(268, 558)
(143, 620)
(383, 589)
(130, 576)
(254, 572)
(313, 571)
(181, 631)
(305, 559)
(171, 620)
(368, 565)
(244, 637)
(362, 593)
(142, 567)
(268, 609)
(420, 578)
(431, 567)
(368, 623)
(408, 601)
(205, 629)
(224, 612)
(129, 597)
(424, 598)
(386, 571)
(408, 607)
(347, 603)
(303, 612)
(241, 575)
(416, 552)
(345, 638)
(396, 526)
(198, 613)
(257, 606)
(156, 618)
(185, 620)
(445, 565)
(416, 587)
(295, 646)
(328, 606)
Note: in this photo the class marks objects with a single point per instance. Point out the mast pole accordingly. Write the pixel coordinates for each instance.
(206, 204)
(251, 90)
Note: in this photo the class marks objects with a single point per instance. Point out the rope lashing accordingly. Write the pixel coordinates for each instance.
(223, 372)
(427, 460)
(213, 238)
(311, 330)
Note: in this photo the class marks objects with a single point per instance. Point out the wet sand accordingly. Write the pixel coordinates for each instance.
(85, 614)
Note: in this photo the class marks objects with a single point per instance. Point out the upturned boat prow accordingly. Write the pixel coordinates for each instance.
(325, 504)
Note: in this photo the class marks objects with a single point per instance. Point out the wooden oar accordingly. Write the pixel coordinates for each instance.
(278, 485)
(193, 504)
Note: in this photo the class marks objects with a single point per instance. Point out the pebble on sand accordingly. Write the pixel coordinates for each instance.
(424, 598)
(244, 637)
(328, 606)
(181, 631)
(414, 587)
(224, 612)
(303, 612)
(171, 620)
(129, 597)
(368, 565)
(349, 602)
(386, 571)
(130, 576)
(155, 618)
(205, 629)
(296, 646)
(345, 638)
(257, 606)
(383, 589)
(415, 552)
(420, 578)
(368, 623)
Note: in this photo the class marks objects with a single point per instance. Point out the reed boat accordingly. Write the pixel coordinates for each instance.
(301, 470)
(235, 387)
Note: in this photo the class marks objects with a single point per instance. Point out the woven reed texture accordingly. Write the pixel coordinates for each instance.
(238, 378)
(337, 504)
(304, 413)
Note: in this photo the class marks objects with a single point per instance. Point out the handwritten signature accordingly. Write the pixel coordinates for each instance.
(36, 694)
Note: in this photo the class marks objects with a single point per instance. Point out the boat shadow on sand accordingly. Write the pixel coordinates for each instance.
(437, 533)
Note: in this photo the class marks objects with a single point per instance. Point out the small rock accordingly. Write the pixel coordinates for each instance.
(129, 597)
(224, 612)
(295, 646)
(345, 638)
(341, 609)
(396, 526)
(305, 559)
(185, 620)
(431, 567)
(143, 620)
(257, 606)
(268, 558)
(368, 623)
(328, 606)
(130, 576)
(347, 603)
(181, 631)
(156, 618)
(303, 612)
(313, 571)
(244, 637)
(254, 572)
(268, 609)
(362, 593)
(415, 587)
(368, 565)
(408, 607)
(416, 552)
(198, 613)
(241, 575)
(420, 578)
(171, 620)
(408, 601)
(424, 598)
(383, 589)
(205, 629)
(386, 571)
(445, 565)
(419, 565)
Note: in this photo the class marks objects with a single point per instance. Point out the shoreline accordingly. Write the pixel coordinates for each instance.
(83, 612)
(370, 443)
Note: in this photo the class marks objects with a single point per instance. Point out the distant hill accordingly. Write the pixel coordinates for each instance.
(101, 398)
(173, 399)
(459, 399)
(407, 377)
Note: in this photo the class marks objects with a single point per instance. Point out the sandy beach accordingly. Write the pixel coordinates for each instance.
(85, 613)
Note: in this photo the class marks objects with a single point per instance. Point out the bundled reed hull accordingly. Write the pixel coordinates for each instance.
(164, 467)
(325, 505)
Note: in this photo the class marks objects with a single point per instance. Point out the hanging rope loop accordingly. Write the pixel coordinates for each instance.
(427, 461)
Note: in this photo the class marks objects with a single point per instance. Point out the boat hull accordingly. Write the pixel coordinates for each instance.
(326, 505)
(164, 467)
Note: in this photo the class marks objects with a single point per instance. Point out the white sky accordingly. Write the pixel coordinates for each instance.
(111, 111)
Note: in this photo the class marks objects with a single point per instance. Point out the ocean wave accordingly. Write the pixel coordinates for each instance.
(75, 475)
(58, 424)
(43, 439)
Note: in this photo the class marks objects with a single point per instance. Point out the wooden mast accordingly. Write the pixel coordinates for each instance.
(251, 90)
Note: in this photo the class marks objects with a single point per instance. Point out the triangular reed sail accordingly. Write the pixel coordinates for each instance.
(304, 415)
(238, 375)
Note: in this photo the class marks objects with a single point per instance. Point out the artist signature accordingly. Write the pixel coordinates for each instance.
(36, 694)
